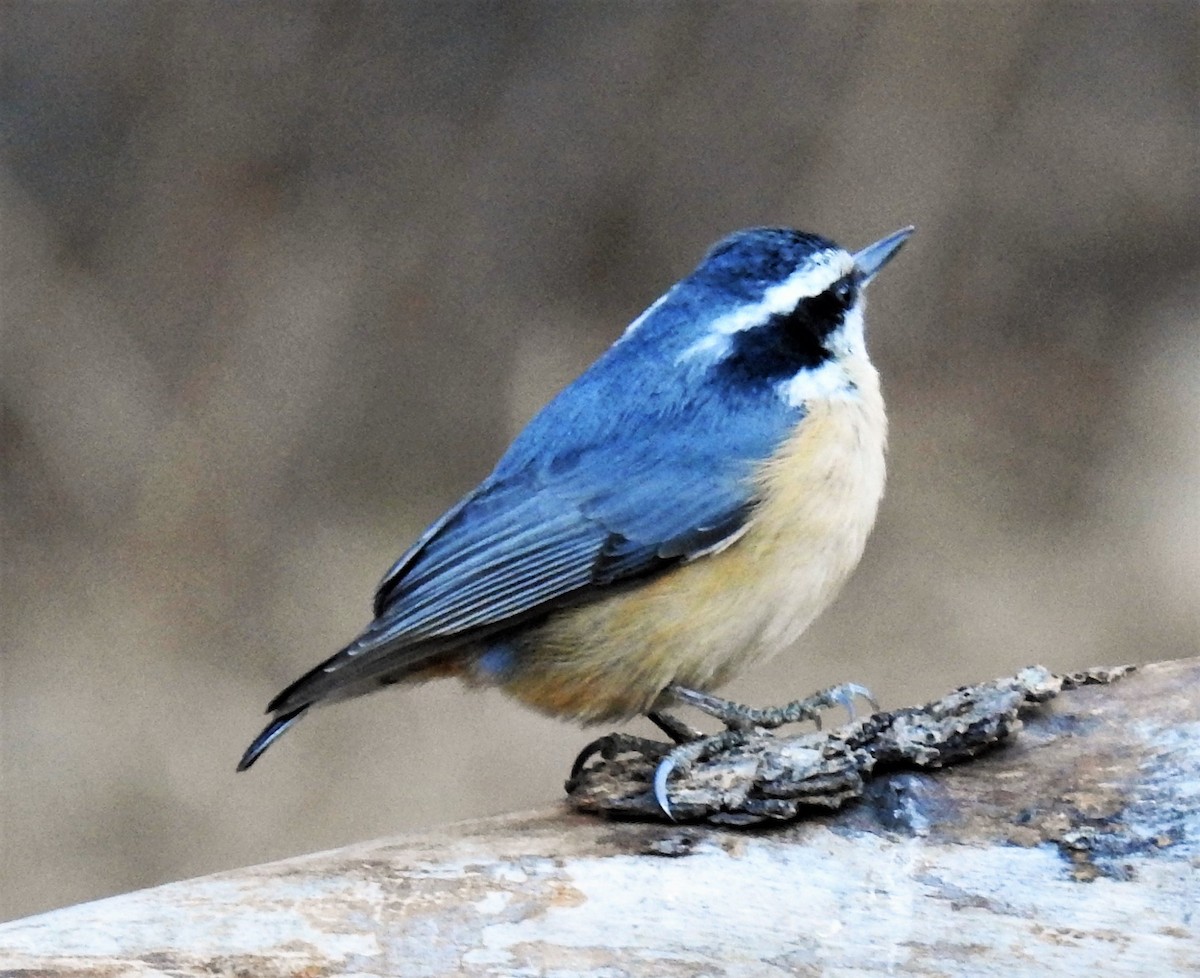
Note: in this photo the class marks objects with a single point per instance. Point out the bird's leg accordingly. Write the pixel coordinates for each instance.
(610, 745)
(739, 721)
(673, 727)
(738, 717)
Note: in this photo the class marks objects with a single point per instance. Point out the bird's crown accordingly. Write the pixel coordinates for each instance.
(748, 262)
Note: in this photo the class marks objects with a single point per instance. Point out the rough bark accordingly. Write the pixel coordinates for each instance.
(1073, 847)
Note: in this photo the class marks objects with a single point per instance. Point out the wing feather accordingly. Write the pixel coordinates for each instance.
(551, 527)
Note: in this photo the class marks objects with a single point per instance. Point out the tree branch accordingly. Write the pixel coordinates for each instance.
(1073, 847)
(762, 777)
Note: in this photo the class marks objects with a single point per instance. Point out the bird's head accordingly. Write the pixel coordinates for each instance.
(769, 307)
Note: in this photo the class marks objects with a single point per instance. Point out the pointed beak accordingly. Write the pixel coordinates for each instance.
(873, 257)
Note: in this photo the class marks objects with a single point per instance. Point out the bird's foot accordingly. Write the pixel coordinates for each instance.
(740, 722)
(735, 716)
(612, 745)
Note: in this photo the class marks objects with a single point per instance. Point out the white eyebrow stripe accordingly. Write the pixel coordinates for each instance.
(812, 278)
(715, 346)
(637, 323)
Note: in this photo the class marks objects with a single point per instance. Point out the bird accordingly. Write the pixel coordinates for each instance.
(681, 511)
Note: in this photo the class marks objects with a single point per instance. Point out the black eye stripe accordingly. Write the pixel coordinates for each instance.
(819, 315)
(837, 298)
(791, 341)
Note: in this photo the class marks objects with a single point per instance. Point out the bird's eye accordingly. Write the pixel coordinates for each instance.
(843, 291)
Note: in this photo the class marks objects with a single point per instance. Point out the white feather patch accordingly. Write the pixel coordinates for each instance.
(850, 339)
(713, 347)
(636, 324)
(831, 379)
(826, 382)
(811, 278)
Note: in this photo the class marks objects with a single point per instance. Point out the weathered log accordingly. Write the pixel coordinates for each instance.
(1071, 848)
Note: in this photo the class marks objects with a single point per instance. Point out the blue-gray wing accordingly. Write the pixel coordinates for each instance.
(517, 548)
(512, 550)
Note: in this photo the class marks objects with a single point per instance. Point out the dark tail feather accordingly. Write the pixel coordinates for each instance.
(272, 732)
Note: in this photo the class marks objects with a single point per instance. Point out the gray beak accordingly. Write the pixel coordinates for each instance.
(873, 257)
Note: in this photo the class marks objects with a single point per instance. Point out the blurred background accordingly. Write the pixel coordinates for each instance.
(280, 281)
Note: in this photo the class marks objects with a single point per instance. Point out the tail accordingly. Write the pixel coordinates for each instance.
(272, 732)
(372, 661)
(340, 677)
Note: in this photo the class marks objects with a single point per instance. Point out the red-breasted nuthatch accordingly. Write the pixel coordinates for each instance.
(686, 507)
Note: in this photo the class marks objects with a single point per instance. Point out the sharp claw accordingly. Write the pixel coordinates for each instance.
(844, 697)
(596, 747)
(850, 691)
(661, 773)
(582, 758)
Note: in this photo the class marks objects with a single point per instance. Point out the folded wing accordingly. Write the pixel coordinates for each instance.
(514, 552)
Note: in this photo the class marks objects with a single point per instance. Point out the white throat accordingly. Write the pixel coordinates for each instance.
(839, 377)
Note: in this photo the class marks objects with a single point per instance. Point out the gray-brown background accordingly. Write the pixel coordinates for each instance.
(280, 281)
